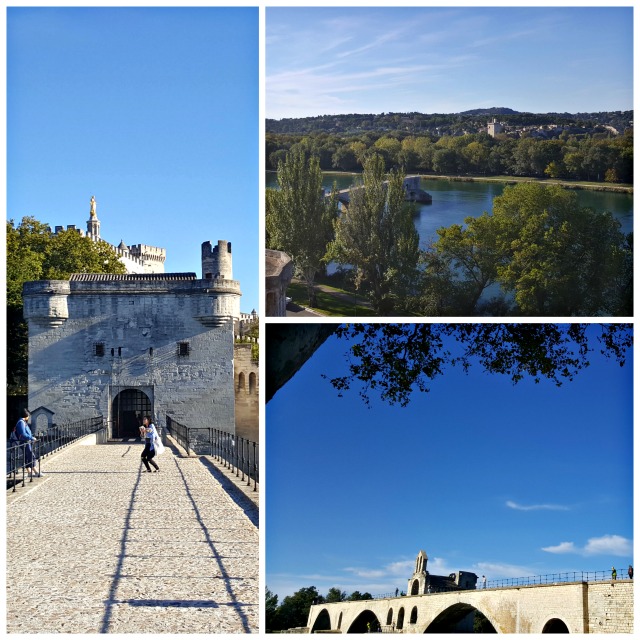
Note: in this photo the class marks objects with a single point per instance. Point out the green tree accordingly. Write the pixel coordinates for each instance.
(472, 252)
(335, 595)
(356, 595)
(299, 218)
(558, 258)
(271, 611)
(294, 610)
(376, 235)
(34, 253)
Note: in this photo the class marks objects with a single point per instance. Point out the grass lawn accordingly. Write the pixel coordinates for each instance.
(332, 303)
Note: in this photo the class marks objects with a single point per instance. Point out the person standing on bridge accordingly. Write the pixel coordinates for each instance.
(484, 582)
(149, 444)
(614, 573)
(630, 572)
(25, 437)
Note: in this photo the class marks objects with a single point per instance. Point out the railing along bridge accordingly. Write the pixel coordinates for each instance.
(237, 454)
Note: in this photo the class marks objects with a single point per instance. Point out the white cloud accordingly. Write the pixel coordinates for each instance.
(610, 545)
(563, 547)
(536, 507)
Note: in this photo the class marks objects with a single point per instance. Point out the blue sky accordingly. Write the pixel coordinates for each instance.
(333, 60)
(152, 110)
(485, 476)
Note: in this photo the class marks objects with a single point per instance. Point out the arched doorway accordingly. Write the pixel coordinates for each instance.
(364, 623)
(461, 618)
(555, 625)
(127, 410)
(322, 623)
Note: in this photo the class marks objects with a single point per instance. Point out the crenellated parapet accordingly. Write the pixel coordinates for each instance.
(216, 261)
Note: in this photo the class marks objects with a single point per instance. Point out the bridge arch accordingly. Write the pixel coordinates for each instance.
(400, 622)
(390, 617)
(365, 622)
(415, 588)
(460, 617)
(340, 620)
(413, 618)
(555, 625)
(323, 622)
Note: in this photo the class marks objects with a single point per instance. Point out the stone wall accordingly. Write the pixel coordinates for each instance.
(247, 392)
(611, 607)
(108, 334)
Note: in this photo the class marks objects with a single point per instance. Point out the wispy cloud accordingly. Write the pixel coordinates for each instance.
(536, 507)
(563, 547)
(611, 545)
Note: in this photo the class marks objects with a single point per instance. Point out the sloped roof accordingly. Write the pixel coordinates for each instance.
(131, 277)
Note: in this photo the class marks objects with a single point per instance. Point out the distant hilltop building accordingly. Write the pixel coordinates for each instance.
(494, 128)
(137, 258)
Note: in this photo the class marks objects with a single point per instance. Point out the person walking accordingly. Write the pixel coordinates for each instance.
(24, 436)
(484, 582)
(614, 573)
(630, 572)
(149, 444)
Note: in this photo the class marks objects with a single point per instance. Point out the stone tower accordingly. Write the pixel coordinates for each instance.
(216, 261)
(93, 224)
(217, 271)
(419, 580)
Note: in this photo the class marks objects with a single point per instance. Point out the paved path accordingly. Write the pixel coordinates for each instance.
(98, 546)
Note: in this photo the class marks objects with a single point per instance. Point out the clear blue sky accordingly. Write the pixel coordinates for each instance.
(485, 476)
(152, 110)
(335, 60)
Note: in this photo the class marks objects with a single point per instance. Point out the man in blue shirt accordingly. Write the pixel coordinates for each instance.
(24, 436)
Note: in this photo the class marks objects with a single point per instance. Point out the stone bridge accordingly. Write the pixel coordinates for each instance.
(97, 545)
(575, 607)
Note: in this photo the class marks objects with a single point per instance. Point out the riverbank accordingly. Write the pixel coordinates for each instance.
(511, 180)
(567, 184)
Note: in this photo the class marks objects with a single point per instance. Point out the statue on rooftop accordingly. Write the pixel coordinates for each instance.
(92, 211)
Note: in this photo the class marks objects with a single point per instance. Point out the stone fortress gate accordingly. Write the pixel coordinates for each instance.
(567, 607)
(122, 346)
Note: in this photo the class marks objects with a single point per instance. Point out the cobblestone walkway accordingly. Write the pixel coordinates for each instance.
(98, 546)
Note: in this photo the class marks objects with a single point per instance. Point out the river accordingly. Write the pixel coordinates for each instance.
(454, 201)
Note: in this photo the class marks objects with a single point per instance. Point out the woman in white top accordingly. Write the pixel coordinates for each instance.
(149, 452)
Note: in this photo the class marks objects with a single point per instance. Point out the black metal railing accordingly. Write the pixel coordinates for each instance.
(23, 458)
(529, 581)
(553, 578)
(237, 454)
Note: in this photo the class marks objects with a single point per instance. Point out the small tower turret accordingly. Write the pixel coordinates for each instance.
(93, 224)
(216, 261)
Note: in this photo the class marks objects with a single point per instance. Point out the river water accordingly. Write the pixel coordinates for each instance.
(454, 201)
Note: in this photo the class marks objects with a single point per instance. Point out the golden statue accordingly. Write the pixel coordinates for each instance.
(93, 207)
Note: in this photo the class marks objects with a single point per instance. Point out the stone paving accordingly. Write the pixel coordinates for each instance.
(98, 546)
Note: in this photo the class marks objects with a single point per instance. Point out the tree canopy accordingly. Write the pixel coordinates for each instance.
(394, 360)
(551, 256)
(377, 237)
(293, 611)
(299, 218)
(35, 253)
